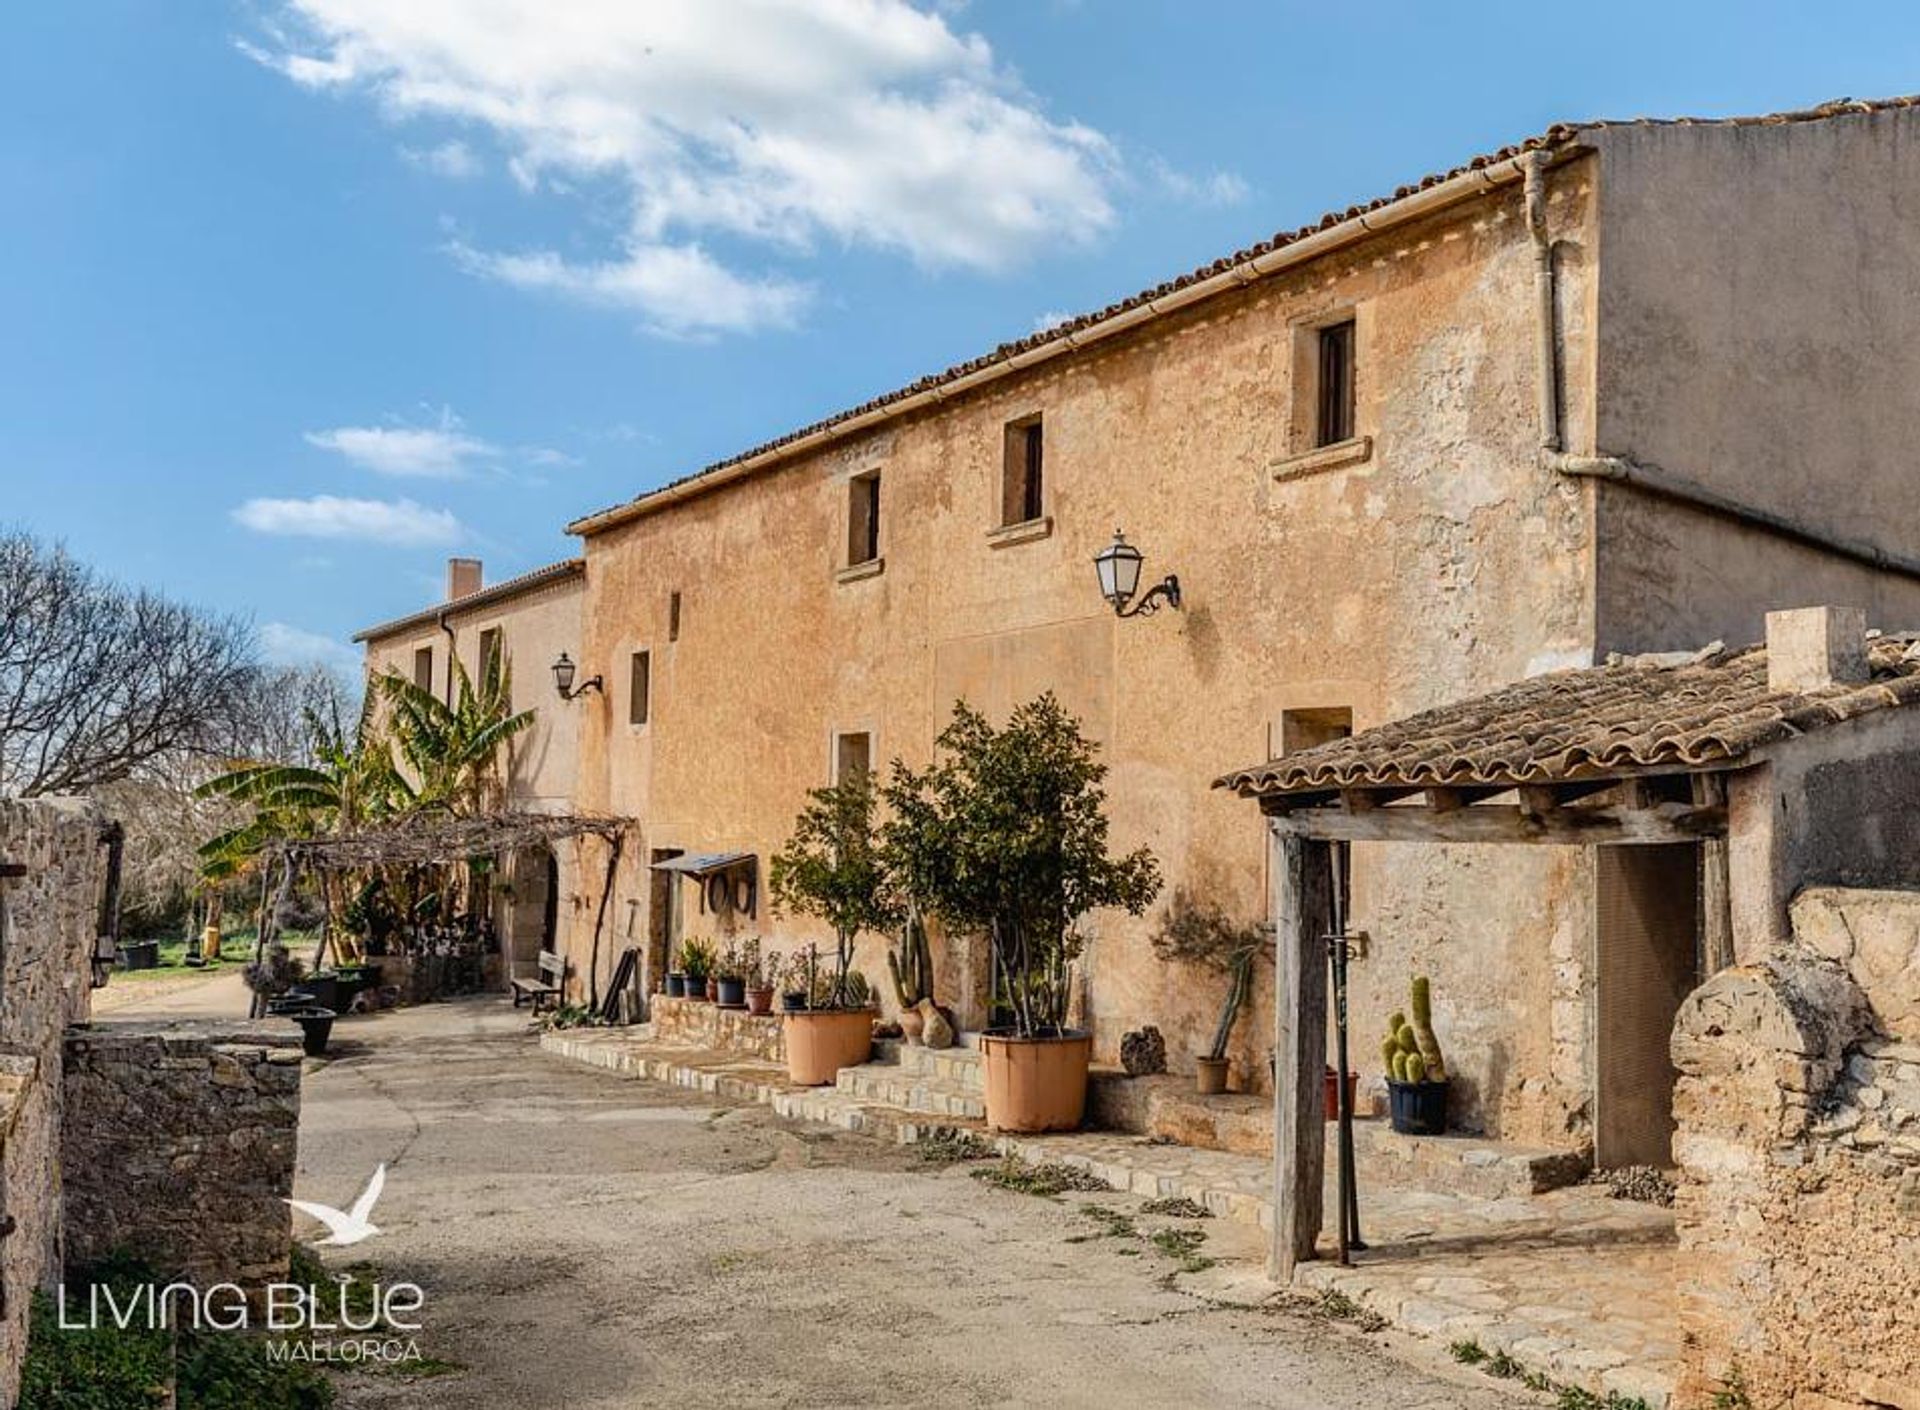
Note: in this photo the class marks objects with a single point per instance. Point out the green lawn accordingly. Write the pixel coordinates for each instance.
(236, 949)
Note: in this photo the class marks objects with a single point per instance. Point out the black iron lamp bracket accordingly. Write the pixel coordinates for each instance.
(593, 683)
(1167, 590)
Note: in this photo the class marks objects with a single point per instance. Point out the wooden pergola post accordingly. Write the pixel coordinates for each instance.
(1302, 902)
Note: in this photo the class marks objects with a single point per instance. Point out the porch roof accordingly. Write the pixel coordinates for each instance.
(1674, 713)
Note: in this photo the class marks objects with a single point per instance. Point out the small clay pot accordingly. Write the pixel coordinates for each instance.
(760, 1001)
(1210, 1075)
(913, 1023)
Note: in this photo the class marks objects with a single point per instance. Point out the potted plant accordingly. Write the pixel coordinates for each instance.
(696, 958)
(1416, 1068)
(795, 981)
(911, 967)
(676, 984)
(761, 970)
(1199, 933)
(1006, 832)
(830, 869)
(730, 978)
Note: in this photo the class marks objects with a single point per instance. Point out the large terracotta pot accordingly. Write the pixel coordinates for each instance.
(1036, 1084)
(822, 1041)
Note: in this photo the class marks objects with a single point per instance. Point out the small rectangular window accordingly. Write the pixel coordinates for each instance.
(1022, 497)
(1336, 420)
(423, 667)
(863, 519)
(640, 688)
(491, 658)
(852, 754)
(673, 616)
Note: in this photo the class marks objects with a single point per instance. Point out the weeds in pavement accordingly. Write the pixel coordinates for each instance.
(1176, 1207)
(950, 1147)
(1047, 1180)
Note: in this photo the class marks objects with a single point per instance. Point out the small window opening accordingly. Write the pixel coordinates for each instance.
(852, 754)
(1336, 420)
(423, 667)
(1022, 497)
(640, 688)
(863, 519)
(673, 616)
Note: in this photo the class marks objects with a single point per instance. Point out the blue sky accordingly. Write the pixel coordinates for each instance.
(298, 299)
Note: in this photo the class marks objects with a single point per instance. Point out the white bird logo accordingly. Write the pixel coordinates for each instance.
(352, 1226)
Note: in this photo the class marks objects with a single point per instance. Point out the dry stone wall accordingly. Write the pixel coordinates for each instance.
(1798, 1210)
(48, 915)
(696, 1023)
(179, 1147)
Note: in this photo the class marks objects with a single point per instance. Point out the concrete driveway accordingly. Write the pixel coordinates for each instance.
(592, 1241)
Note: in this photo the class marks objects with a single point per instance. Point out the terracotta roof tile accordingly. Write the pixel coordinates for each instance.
(1569, 725)
(498, 592)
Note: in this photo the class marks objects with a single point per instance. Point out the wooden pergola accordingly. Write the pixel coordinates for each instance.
(1641, 751)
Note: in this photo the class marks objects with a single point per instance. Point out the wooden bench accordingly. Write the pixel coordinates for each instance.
(547, 988)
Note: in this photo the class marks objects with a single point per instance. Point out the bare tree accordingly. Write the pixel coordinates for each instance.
(98, 680)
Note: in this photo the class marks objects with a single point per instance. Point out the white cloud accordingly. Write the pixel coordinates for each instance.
(325, 516)
(762, 123)
(434, 452)
(1050, 320)
(450, 159)
(284, 645)
(1217, 188)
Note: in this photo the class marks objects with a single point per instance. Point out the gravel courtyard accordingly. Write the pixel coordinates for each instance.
(591, 1241)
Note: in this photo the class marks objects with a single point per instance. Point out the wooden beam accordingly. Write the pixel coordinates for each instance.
(1302, 908)
(1595, 826)
(1716, 883)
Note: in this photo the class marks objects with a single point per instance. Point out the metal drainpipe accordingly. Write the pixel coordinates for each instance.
(452, 643)
(1547, 397)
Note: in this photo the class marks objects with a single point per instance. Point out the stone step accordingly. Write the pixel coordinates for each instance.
(913, 1090)
(960, 1066)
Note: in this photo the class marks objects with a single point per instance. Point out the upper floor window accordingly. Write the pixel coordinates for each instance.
(673, 616)
(492, 654)
(1023, 473)
(1335, 421)
(863, 519)
(423, 667)
(640, 688)
(852, 754)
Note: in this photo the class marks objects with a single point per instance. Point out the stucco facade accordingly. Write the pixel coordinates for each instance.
(530, 620)
(1442, 550)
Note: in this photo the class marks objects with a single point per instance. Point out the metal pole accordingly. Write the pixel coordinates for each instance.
(1339, 950)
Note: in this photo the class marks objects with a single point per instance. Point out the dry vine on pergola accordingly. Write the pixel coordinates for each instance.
(442, 840)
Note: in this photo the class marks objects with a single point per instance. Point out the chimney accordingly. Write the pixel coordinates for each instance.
(463, 578)
(1812, 648)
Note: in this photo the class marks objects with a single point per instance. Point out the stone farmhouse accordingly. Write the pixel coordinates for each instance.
(1620, 389)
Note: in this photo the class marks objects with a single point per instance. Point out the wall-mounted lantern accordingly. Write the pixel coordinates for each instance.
(563, 672)
(1119, 567)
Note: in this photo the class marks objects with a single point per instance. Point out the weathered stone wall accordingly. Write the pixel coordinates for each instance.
(179, 1147)
(699, 1024)
(48, 917)
(1798, 1208)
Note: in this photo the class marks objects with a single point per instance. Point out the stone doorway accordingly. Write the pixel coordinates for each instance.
(1646, 960)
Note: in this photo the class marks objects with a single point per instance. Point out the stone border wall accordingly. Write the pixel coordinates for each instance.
(47, 922)
(695, 1023)
(1798, 1136)
(179, 1147)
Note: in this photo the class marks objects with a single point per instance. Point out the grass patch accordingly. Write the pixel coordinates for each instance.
(1176, 1207)
(110, 1368)
(1471, 1353)
(951, 1147)
(1339, 1307)
(1183, 1247)
(1114, 1223)
(1047, 1180)
(1732, 1394)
